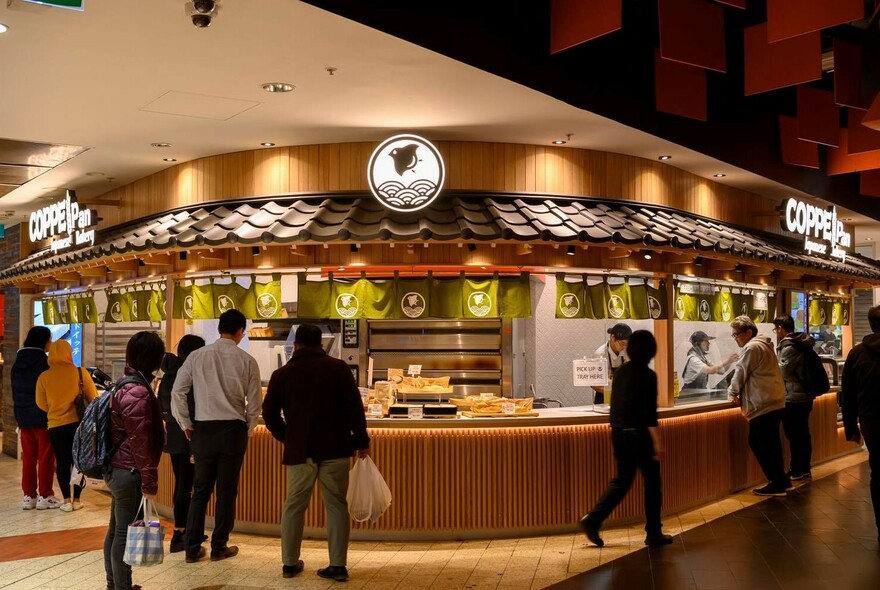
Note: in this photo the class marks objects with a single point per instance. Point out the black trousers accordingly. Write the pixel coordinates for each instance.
(633, 449)
(796, 424)
(61, 438)
(767, 446)
(184, 472)
(218, 447)
(873, 445)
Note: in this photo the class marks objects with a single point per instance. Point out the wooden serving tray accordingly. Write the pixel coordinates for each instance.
(499, 415)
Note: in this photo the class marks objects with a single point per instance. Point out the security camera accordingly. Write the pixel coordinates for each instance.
(202, 12)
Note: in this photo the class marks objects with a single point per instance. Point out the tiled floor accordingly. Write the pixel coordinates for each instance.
(822, 536)
(510, 563)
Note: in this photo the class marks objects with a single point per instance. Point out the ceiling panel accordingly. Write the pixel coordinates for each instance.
(12, 174)
(29, 153)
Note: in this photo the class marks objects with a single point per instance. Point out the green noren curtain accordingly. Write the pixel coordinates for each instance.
(479, 298)
(515, 296)
(313, 298)
(446, 298)
(263, 300)
(412, 299)
(657, 306)
(228, 296)
(183, 302)
(570, 299)
(618, 305)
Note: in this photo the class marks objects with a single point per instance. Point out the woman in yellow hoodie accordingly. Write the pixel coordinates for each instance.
(57, 390)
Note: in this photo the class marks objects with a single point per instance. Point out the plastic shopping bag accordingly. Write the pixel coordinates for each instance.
(143, 543)
(368, 494)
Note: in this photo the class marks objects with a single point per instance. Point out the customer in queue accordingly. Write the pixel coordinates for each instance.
(137, 432)
(757, 388)
(635, 436)
(313, 407)
(225, 381)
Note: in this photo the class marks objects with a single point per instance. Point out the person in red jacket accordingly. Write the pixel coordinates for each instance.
(137, 429)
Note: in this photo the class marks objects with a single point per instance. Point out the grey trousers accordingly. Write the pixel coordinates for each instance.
(333, 477)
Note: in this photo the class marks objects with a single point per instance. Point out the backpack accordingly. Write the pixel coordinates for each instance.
(815, 379)
(92, 447)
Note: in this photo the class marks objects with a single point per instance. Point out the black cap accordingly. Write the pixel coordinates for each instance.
(699, 336)
(620, 331)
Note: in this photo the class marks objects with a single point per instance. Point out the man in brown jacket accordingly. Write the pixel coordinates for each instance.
(322, 426)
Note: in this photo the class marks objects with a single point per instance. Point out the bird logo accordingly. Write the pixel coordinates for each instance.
(405, 158)
(479, 303)
(569, 305)
(413, 305)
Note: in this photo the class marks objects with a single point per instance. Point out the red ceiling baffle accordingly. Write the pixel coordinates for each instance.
(573, 22)
(848, 76)
(818, 115)
(692, 32)
(791, 18)
(733, 3)
(869, 183)
(840, 161)
(769, 66)
(861, 138)
(679, 89)
(796, 151)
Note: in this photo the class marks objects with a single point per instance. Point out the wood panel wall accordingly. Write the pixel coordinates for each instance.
(469, 165)
(491, 481)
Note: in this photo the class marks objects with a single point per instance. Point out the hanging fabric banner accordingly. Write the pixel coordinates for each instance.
(380, 299)
(446, 298)
(515, 296)
(88, 311)
(685, 305)
(139, 302)
(182, 308)
(723, 307)
(638, 297)
(263, 300)
(479, 299)
(705, 304)
(598, 304)
(657, 301)
(413, 299)
(50, 312)
(118, 310)
(312, 298)
(156, 310)
(228, 296)
(203, 302)
(73, 310)
(570, 301)
(347, 299)
(618, 305)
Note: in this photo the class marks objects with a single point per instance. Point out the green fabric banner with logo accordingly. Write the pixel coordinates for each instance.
(479, 299)
(579, 300)
(118, 309)
(182, 308)
(570, 302)
(263, 300)
(657, 306)
(139, 302)
(228, 296)
(412, 299)
(203, 302)
(312, 299)
(380, 299)
(156, 310)
(50, 312)
(618, 305)
(685, 306)
(723, 307)
(87, 310)
(346, 298)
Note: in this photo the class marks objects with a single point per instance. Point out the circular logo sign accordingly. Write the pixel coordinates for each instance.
(413, 305)
(822, 316)
(134, 309)
(188, 306)
(225, 303)
(744, 309)
(347, 305)
(267, 305)
(405, 173)
(654, 307)
(704, 310)
(679, 307)
(835, 319)
(116, 311)
(569, 305)
(479, 304)
(616, 306)
(726, 312)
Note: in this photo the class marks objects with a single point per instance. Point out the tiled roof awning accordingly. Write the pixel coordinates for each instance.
(357, 217)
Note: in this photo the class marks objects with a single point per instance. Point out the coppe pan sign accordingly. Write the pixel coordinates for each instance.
(816, 223)
(64, 222)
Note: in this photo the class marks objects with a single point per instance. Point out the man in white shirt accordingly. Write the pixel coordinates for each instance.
(225, 382)
(614, 350)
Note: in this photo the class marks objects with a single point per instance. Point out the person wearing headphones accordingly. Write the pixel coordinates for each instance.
(698, 367)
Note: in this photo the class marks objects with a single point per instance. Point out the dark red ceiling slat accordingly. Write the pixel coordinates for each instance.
(790, 18)
(840, 161)
(573, 22)
(769, 66)
(848, 76)
(679, 89)
(861, 138)
(818, 115)
(796, 152)
(692, 32)
(869, 183)
(872, 117)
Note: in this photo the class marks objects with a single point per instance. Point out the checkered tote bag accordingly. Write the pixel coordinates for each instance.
(143, 543)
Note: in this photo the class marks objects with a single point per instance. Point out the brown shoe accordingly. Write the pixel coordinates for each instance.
(225, 553)
(194, 557)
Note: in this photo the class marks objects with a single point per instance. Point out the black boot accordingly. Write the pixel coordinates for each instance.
(591, 529)
(176, 542)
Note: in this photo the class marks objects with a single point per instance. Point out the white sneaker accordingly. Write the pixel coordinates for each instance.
(71, 506)
(48, 502)
(28, 503)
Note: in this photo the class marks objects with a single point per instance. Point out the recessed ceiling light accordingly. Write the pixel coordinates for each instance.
(267, 144)
(559, 142)
(160, 145)
(720, 175)
(169, 159)
(3, 28)
(846, 218)
(665, 158)
(278, 87)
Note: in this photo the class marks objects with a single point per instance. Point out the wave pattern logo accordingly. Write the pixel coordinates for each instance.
(225, 303)
(569, 305)
(679, 307)
(726, 312)
(188, 306)
(406, 173)
(347, 305)
(704, 310)
(413, 305)
(116, 311)
(616, 306)
(134, 309)
(267, 305)
(835, 319)
(654, 307)
(479, 303)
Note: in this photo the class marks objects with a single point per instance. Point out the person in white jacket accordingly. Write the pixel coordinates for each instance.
(758, 389)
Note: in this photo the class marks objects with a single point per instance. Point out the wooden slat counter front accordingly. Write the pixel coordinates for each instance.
(492, 477)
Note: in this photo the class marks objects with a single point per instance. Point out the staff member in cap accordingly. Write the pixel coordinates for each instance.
(698, 367)
(615, 351)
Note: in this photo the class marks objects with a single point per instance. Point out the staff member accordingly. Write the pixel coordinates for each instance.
(698, 367)
(615, 352)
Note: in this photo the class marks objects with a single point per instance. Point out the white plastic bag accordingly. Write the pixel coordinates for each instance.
(368, 494)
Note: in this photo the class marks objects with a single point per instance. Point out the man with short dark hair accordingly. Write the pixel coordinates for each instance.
(860, 399)
(757, 388)
(790, 349)
(225, 381)
(322, 426)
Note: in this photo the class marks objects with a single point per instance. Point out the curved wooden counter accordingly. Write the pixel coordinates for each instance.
(495, 477)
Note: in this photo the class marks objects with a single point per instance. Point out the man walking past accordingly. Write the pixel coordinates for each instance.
(860, 399)
(225, 381)
(323, 424)
(798, 405)
(757, 388)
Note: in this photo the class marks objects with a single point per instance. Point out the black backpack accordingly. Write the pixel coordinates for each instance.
(815, 379)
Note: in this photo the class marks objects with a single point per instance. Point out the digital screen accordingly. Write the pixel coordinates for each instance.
(799, 310)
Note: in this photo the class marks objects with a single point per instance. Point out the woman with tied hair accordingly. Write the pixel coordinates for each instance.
(635, 437)
(137, 432)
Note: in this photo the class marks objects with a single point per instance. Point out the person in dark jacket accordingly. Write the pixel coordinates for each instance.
(798, 405)
(322, 427)
(136, 428)
(860, 400)
(37, 456)
(176, 443)
(635, 437)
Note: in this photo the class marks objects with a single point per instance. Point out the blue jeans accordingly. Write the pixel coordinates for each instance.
(125, 487)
